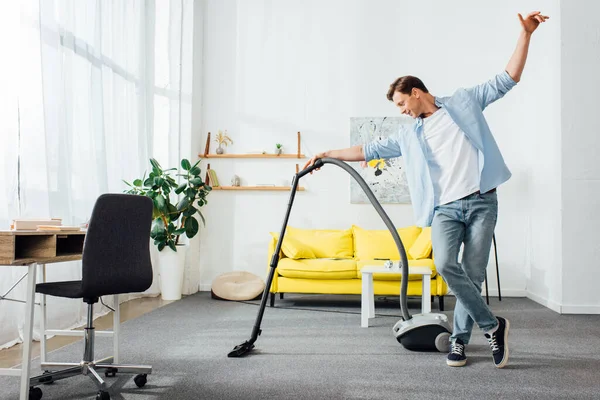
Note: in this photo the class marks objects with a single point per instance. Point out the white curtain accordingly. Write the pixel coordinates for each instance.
(103, 85)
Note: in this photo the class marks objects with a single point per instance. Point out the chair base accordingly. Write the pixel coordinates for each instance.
(91, 369)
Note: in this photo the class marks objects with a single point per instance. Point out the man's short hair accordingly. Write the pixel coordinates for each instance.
(405, 84)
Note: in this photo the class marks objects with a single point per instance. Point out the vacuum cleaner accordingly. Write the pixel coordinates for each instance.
(420, 332)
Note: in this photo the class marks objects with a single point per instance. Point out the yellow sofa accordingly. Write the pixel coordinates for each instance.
(330, 261)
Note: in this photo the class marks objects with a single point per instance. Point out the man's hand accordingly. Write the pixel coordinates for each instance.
(313, 160)
(532, 21)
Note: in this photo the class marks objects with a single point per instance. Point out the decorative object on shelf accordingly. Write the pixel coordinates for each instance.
(172, 219)
(213, 180)
(278, 148)
(223, 140)
(235, 180)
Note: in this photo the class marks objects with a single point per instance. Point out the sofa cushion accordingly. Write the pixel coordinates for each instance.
(324, 243)
(292, 248)
(317, 268)
(426, 262)
(373, 244)
(422, 246)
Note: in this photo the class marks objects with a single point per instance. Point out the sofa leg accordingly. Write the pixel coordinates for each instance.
(272, 302)
(441, 300)
(280, 296)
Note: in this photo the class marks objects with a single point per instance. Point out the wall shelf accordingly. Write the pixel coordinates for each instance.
(289, 156)
(265, 188)
(251, 155)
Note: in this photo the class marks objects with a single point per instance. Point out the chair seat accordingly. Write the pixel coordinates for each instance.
(70, 289)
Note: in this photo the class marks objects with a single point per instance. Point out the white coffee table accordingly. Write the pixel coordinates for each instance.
(367, 306)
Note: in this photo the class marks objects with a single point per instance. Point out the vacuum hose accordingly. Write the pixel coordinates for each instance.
(365, 187)
(247, 346)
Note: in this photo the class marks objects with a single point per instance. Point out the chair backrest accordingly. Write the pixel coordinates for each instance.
(116, 250)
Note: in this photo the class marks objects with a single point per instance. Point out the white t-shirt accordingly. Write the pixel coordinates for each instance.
(452, 159)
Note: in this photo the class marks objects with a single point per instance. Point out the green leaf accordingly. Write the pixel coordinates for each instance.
(127, 183)
(185, 164)
(159, 202)
(149, 181)
(191, 227)
(172, 246)
(158, 227)
(195, 171)
(190, 192)
(191, 210)
(155, 164)
(158, 181)
(137, 182)
(196, 181)
(179, 231)
(161, 246)
(181, 188)
(183, 203)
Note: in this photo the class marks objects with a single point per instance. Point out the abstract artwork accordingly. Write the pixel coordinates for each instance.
(386, 178)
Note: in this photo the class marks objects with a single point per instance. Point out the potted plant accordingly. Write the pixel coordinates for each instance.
(175, 208)
(222, 139)
(278, 148)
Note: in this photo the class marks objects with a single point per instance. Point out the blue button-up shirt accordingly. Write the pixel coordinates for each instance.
(465, 107)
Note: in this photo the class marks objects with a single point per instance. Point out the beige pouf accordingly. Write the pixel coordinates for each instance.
(237, 285)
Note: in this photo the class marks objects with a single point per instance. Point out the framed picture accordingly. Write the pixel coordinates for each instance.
(386, 178)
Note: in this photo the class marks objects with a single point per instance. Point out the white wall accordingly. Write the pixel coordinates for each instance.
(580, 58)
(274, 68)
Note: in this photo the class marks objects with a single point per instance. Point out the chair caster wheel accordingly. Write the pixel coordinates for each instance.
(140, 380)
(35, 393)
(102, 395)
(111, 372)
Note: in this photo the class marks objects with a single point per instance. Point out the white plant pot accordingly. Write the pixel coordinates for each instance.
(171, 265)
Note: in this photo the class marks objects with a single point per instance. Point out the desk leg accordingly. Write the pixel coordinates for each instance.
(366, 298)
(116, 328)
(28, 331)
(43, 319)
(426, 298)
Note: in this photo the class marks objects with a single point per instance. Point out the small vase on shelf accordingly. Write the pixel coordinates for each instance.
(219, 150)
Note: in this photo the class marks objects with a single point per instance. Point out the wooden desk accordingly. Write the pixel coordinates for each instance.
(33, 249)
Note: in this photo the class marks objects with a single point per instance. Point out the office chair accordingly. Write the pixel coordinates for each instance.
(115, 260)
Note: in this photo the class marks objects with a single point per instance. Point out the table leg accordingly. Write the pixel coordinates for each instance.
(371, 297)
(43, 319)
(116, 328)
(426, 297)
(28, 331)
(365, 298)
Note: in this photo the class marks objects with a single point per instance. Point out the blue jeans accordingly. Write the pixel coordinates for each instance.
(469, 221)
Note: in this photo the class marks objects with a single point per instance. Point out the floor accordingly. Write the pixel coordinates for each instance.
(132, 309)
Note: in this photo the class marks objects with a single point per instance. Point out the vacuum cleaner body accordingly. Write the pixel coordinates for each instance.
(424, 332)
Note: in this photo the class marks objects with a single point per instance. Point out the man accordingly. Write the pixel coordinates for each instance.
(453, 167)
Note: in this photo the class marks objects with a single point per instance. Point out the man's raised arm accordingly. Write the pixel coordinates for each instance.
(517, 61)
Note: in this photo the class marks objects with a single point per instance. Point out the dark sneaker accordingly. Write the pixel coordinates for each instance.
(456, 356)
(499, 343)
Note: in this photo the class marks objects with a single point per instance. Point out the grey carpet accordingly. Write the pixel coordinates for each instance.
(312, 347)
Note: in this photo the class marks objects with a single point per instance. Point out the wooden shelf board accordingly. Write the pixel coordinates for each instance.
(252, 156)
(265, 188)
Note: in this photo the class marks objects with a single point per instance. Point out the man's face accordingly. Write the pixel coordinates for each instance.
(408, 104)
